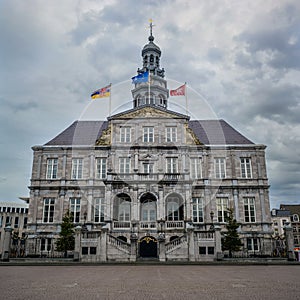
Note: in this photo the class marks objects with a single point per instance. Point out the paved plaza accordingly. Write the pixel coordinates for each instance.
(150, 282)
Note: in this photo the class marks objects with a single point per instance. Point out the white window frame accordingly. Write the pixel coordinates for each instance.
(52, 164)
(246, 168)
(75, 207)
(48, 210)
(195, 167)
(99, 206)
(171, 134)
(222, 208)
(77, 168)
(124, 165)
(148, 168)
(101, 167)
(125, 134)
(252, 244)
(249, 210)
(171, 165)
(197, 210)
(148, 134)
(220, 167)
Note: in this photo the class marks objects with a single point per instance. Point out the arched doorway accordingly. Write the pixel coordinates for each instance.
(148, 247)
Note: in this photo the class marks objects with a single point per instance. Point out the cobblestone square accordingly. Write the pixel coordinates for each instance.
(150, 282)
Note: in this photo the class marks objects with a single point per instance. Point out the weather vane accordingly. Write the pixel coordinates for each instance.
(151, 26)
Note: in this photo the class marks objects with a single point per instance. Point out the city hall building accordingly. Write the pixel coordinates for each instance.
(149, 183)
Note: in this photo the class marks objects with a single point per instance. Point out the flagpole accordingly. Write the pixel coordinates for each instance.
(109, 105)
(186, 99)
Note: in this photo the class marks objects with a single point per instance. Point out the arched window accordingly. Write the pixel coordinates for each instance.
(151, 59)
(148, 208)
(174, 208)
(296, 218)
(122, 208)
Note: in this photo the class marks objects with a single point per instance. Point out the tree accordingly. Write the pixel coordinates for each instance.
(231, 241)
(66, 240)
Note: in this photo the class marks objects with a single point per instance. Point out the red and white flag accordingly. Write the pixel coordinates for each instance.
(178, 92)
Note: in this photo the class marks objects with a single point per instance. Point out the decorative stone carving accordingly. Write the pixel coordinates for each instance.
(105, 138)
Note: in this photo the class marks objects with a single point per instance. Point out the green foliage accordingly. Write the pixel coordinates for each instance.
(66, 240)
(231, 241)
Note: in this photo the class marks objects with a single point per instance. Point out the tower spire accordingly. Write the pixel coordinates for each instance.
(158, 94)
(151, 25)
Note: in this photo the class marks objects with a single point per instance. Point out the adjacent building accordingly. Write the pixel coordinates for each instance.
(14, 215)
(149, 182)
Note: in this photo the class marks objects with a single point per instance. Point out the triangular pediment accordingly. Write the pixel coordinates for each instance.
(149, 112)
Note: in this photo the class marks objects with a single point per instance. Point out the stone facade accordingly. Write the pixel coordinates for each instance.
(14, 215)
(149, 183)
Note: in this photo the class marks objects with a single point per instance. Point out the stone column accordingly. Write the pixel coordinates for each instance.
(218, 244)
(161, 247)
(103, 244)
(6, 243)
(77, 248)
(133, 248)
(289, 239)
(191, 244)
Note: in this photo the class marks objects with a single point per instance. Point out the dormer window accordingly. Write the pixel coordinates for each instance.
(295, 218)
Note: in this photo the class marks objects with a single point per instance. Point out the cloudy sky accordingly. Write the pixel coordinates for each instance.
(240, 58)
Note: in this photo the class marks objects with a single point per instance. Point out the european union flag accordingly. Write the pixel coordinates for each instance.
(143, 77)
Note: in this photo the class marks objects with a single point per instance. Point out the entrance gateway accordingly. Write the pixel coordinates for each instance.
(148, 247)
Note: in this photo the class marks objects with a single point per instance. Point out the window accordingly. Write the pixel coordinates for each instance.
(295, 218)
(85, 250)
(202, 250)
(249, 210)
(220, 167)
(174, 209)
(1, 221)
(101, 168)
(252, 244)
(196, 170)
(171, 166)
(222, 209)
(197, 207)
(148, 134)
(51, 168)
(122, 208)
(246, 170)
(7, 220)
(25, 222)
(148, 168)
(125, 134)
(171, 134)
(148, 211)
(124, 165)
(16, 222)
(75, 209)
(93, 250)
(46, 244)
(77, 168)
(211, 250)
(99, 210)
(48, 213)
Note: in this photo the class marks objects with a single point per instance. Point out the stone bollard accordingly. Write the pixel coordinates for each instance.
(6, 243)
(289, 238)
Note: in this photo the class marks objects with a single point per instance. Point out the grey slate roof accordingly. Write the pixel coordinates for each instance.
(79, 133)
(209, 132)
(293, 208)
(217, 132)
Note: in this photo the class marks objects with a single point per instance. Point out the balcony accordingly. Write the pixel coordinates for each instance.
(121, 225)
(174, 224)
(148, 225)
